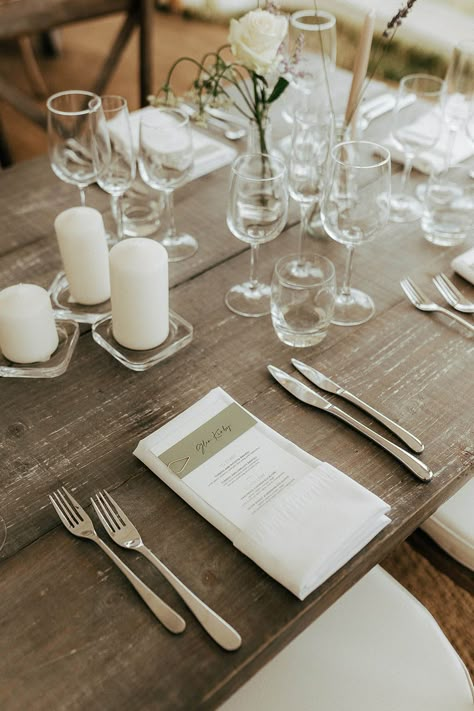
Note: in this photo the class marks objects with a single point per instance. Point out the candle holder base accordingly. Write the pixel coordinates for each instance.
(66, 308)
(181, 333)
(68, 333)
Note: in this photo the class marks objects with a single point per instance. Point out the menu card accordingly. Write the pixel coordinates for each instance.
(298, 518)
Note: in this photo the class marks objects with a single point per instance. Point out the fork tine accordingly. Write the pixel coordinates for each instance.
(101, 514)
(407, 288)
(444, 289)
(60, 513)
(118, 511)
(108, 510)
(75, 505)
(420, 295)
(67, 507)
(450, 287)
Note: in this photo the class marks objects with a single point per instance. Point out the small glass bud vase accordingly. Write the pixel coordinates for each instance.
(259, 137)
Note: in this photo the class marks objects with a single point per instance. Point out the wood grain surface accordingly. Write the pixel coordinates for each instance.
(74, 633)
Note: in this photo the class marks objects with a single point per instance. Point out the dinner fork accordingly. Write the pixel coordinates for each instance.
(421, 301)
(79, 524)
(123, 532)
(451, 293)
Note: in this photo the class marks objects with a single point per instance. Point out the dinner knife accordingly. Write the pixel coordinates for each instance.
(325, 383)
(310, 397)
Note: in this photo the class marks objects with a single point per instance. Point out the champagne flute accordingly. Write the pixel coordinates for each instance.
(416, 127)
(113, 152)
(310, 144)
(355, 208)
(313, 34)
(70, 138)
(165, 160)
(256, 213)
(459, 82)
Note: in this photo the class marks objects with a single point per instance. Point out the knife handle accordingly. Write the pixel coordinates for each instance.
(415, 465)
(403, 434)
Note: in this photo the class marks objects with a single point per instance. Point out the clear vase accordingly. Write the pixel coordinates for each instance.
(259, 137)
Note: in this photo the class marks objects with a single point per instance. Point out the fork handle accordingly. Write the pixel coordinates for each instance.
(165, 614)
(460, 319)
(220, 631)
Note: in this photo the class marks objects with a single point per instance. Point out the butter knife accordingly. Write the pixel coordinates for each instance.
(325, 383)
(310, 397)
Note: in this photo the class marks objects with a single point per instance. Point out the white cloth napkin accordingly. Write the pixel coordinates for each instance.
(306, 532)
(209, 153)
(432, 160)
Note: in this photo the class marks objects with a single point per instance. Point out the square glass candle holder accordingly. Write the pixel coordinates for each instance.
(180, 334)
(68, 333)
(65, 307)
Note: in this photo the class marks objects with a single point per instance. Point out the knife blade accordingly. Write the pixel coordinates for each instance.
(310, 397)
(325, 383)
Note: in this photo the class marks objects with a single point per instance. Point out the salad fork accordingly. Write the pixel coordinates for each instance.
(421, 301)
(79, 524)
(451, 293)
(123, 532)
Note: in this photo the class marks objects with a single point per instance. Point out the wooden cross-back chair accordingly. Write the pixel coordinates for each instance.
(24, 18)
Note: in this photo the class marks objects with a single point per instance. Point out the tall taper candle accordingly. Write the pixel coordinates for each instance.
(139, 293)
(85, 255)
(361, 62)
(27, 327)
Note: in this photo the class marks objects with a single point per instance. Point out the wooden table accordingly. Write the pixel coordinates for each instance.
(73, 633)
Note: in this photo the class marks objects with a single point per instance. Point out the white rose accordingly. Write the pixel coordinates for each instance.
(255, 39)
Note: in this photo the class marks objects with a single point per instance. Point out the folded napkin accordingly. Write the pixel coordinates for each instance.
(209, 153)
(432, 160)
(296, 517)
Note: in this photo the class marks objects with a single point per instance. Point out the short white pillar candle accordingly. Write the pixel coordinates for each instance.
(84, 253)
(139, 293)
(27, 327)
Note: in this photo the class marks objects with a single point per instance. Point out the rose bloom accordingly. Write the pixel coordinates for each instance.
(255, 39)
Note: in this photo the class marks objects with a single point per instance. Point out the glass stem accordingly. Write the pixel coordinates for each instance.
(253, 266)
(304, 213)
(346, 284)
(170, 209)
(119, 209)
(449, 149)
(406, 173)
(82, 193)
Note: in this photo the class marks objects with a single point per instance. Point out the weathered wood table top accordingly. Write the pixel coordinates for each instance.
(74, 635)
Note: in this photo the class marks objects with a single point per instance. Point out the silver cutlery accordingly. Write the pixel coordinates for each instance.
(322, 381)
(231, 130)
(451, 293)
(310, 397)
(79, 524)
(422, 302)
(373, 109)
(123, 532)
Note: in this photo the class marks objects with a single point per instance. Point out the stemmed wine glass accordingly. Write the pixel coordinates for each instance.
(113, 151)
(315, 32)
(355, 208)
(70, 137)
(256, 213)
(165, 160)
(310, 144)
(416, 127)
(459, 82)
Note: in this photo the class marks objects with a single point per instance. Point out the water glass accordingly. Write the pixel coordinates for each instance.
(448, 209)
(303, 298)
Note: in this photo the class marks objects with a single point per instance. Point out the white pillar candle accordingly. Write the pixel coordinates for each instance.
(139, 293)
(27, 327)
(84, 252)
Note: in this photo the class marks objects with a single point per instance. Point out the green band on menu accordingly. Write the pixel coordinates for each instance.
(199, 446)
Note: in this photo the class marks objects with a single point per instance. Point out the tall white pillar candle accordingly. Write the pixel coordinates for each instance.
(27, 327)
(83, 247)
(139, 293)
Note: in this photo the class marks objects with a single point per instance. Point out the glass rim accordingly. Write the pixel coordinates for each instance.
(164, 110)
(431, 77)
(80, 92)
(305, 257)
(245, 156)
(377, 149)
(122, 102)
(295, 17)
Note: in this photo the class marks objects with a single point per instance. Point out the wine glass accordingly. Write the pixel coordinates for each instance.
(310, 143)
(355, 208)
(313, 34)
(113, 152)
(70, 137)
(256, 213)
(459, 92)
(165, 160)
(416, 127)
